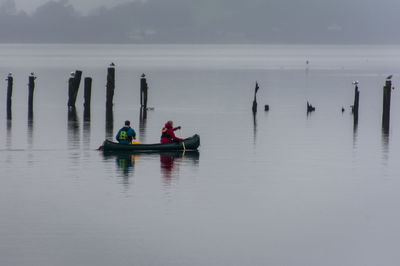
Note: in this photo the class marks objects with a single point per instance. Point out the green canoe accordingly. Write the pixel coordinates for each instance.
(191, 143)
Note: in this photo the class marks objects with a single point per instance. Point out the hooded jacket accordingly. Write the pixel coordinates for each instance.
(130, 134)
(168, 135)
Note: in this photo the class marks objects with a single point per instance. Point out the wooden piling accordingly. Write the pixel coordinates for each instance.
(31, 88)
(72, 115)
(356, 103)
(87, 98)
(10, 81)
(254, 107)
(73, 87)
(143, 91)
(387, 91)
(356, 100)
(110, 87)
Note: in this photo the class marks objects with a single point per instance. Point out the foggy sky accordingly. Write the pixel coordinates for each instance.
(202, 21)
(83, 6)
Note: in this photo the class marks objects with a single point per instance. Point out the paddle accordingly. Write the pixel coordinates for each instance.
(183, 142)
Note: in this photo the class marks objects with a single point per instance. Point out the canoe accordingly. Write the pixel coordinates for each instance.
(191, 143)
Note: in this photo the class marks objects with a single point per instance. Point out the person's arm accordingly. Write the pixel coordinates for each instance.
(173, 137)
(133, 134)
(176, 128)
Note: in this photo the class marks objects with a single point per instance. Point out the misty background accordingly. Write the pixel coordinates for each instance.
(205, 21)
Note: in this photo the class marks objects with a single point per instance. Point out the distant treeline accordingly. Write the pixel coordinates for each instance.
(206, 21)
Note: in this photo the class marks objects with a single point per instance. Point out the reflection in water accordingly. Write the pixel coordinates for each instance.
(385, 144)
(86, 134)
(73, 128)
(86, 114)
(30, 129)
(170, 162)
(355, 130)
(125, 162)
(109, 123)
(142, 124)
(9, 134)
(254, 127)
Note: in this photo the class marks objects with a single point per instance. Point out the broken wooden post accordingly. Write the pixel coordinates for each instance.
(87, 96)
(73, 87)
(31, 88)
(10, 81)
(254, 107)
(110, 87)
(387, 90)
(143, 91)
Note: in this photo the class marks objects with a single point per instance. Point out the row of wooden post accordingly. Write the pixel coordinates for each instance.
(387, 90)
(75, 79)
(74, 82)
(73, 88)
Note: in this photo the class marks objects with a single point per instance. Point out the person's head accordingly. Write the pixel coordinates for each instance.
(127, 123)
(171, 123)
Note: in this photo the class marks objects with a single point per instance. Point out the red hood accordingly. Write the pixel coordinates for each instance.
(168, 125)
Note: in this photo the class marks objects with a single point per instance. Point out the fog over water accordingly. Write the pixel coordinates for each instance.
(206, 21)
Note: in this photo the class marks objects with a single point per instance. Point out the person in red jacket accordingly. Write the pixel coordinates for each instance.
(168, 135)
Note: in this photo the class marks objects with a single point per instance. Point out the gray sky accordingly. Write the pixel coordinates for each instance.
(201, 21)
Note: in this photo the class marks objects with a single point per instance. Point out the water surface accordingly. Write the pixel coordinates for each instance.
(280, 188)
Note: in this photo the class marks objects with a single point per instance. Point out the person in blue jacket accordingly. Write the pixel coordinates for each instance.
(126, 134)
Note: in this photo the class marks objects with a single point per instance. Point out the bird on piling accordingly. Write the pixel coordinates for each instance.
(389, 77)
(72, 74)
(355, 82)
(112, 64)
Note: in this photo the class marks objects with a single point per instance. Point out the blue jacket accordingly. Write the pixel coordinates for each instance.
(126, 136)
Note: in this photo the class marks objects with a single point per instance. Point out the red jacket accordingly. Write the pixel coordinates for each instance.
(168, 135)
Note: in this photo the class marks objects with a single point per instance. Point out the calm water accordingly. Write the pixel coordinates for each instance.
(282, 188)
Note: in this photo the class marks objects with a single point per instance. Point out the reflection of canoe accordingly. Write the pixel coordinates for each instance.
(192, 154)
(191, 143)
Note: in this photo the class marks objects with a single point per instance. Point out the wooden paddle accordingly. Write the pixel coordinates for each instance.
(183, 142)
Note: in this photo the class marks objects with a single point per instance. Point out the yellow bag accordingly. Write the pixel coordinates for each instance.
(135, 142)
